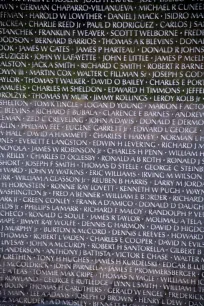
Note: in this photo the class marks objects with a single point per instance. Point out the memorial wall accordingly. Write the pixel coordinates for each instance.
(101, 152)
